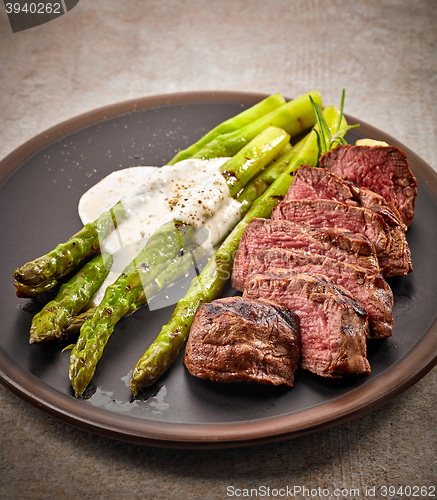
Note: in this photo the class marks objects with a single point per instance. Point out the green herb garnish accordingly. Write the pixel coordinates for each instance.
(326, 141)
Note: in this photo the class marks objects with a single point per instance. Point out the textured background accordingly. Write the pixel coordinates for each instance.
(106, 51)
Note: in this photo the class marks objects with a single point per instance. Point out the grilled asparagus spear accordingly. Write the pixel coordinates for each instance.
(54, 317)
(43, 273)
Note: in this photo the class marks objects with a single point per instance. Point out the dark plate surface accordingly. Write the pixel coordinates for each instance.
(42, 182)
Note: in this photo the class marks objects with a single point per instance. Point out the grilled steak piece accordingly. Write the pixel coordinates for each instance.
(333, 326)
(244, 340)
(335, 243)
(400, 262)
(373, 201)
(311, 183)
(369, 289)
(319, 183)
(391, 246)
(332, 213)
(383, 169)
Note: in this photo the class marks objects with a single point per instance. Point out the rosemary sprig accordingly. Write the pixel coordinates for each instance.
(326, 141)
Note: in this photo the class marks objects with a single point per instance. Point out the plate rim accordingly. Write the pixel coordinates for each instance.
(399, 377)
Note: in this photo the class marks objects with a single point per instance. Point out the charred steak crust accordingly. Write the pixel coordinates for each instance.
(369, 289)
(243, 340)
(333, 326)
(383, 169)
(336, 243)
(389, 241)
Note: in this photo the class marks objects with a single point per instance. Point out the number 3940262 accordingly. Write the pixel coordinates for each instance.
(33, 8)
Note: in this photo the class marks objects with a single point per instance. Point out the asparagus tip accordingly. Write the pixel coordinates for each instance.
(133, 386)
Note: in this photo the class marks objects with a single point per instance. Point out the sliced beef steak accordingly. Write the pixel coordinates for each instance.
(383, 169)
(319, 183)
(373, 201)
(332, 213)
(311, 183)
(333, 326)
(335, 243)
(399, 262)
(391, 246)
(369, 289)
(244, 340)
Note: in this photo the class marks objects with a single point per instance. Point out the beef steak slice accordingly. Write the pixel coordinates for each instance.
(332, 213)
(311, 183)
(319, 183)
(333, 326)
(389, 241)
(335, 243)
(243, 340)
(383, 169)
(369, 289)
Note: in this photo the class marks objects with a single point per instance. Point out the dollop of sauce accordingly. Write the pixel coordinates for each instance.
(105, 194)
(192, 191)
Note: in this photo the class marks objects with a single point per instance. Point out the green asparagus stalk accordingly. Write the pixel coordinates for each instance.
(43, 273)
(259, 185)
(163, 351)
(294, 117)
(246, 164)
(248, 116)
(120, 296)
(30, 291)
(54, 317)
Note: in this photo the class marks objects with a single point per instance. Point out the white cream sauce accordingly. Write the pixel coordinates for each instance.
(105, 194)
(192, 191)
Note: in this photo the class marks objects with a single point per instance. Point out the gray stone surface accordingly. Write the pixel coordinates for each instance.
(105, 51)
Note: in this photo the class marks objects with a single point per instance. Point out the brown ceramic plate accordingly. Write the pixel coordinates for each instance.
(42, 182)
